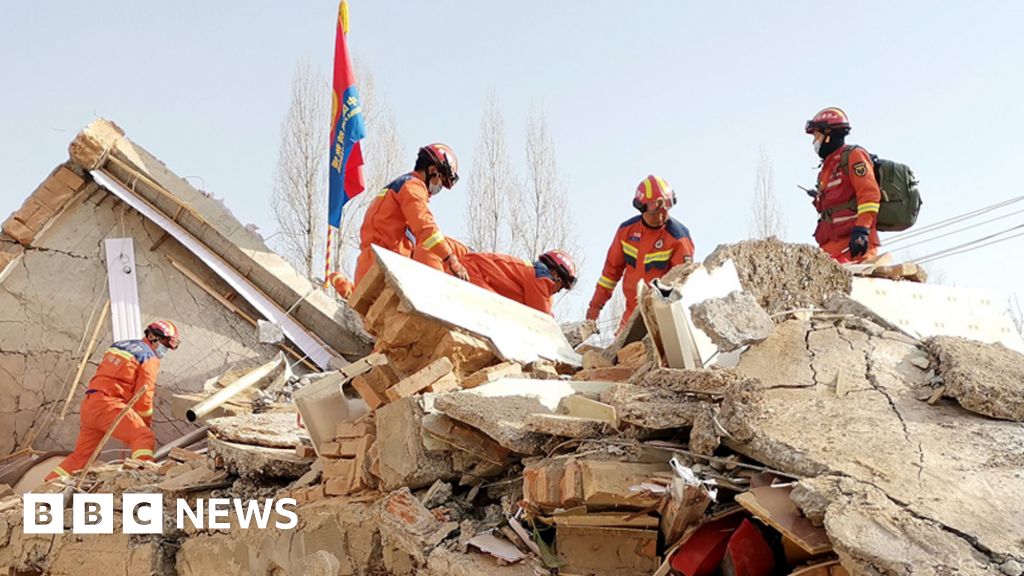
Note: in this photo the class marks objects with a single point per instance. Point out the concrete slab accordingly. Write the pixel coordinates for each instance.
(852, 410)
(984, 378)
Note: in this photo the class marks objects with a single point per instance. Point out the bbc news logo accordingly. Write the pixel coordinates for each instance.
(143, 513)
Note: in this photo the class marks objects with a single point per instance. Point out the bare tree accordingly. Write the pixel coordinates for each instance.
(384, 159)
(300, 183)
(541, 214)
(1016, 313)
(490, 183)
(766, 219)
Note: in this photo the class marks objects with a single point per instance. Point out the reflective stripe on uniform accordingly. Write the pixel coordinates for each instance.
(122, 353)
(867, 207)
(61, 472)
(662, 256)
(606, 282)
(433, 240)
(146, 413)
(629, 249)
(142, 452)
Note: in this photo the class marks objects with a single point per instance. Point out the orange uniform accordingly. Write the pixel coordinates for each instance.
(643, 253)
(342, 285)
(848, 196)
(127, 367)
(531, 284)
(398, 218)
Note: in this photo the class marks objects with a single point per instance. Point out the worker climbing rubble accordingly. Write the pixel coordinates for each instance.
(126, 376)
(847, 195)
(399, 218)
(532, 284)
(645, 247)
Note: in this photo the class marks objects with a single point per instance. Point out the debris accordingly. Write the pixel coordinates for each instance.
(732, 322)
(567, 426)
(984, 378)
(492, 374)
(773, 505)
(577, 332)
(606, 550)
(783, 276)
(632, 355)
(498, 547)
(420, 380)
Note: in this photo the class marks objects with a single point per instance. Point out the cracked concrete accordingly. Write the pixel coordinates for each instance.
(60, 281)
(984, 378)
(831, 399)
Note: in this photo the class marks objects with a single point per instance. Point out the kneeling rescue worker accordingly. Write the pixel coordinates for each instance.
(531, 284)
(127, 367)
(645, 247)
(400, 215)
(847, 197)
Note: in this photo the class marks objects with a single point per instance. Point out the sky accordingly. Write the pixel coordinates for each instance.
(689, 91)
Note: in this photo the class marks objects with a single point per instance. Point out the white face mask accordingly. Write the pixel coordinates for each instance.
(817, 144)
(434, 189)
(161, 350)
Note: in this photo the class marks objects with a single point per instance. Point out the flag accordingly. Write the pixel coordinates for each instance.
(347, 128)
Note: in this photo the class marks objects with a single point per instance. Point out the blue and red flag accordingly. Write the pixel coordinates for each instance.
(347, 128)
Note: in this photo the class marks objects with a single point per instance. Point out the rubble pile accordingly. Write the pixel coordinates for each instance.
(829, 448)
(783, 276)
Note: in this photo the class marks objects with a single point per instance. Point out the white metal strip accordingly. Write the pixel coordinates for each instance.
(122, 281)
(269, 309)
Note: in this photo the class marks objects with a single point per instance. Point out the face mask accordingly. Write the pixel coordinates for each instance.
(161, 351)
(434, 189)
(817, 145)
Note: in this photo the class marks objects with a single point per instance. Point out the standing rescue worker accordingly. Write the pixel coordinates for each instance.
(645, 247)
(847, 196)
(127, 367)
(531, 284)
(399, 217)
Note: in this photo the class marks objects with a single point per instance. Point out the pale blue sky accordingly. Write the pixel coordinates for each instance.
(685, 90)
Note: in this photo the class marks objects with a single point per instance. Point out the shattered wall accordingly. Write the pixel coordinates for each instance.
(48, 294)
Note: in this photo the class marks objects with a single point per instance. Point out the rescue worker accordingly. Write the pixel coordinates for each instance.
(532, 284)
(400, 216)
(645, 247)
(847, 196)
(127, 367)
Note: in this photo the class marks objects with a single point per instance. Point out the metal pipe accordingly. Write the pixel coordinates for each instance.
(226, 393)
(186, 440)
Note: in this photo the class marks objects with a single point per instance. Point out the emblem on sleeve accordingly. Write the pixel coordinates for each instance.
(860, 169)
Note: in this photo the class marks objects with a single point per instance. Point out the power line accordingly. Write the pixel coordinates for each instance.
(957, 231)
(950, 221)
(977, 247)
(957, 249)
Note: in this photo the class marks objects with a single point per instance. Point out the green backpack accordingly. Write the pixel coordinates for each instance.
(901, 200)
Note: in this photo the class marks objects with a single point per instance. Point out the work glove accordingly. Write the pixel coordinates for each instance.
(593, 312)
(458, 270)
(859, 241)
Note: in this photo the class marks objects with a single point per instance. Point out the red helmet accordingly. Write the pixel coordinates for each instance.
(559, 262)
(828, 119)
(653, 191)
(165, 329)
(447, 164)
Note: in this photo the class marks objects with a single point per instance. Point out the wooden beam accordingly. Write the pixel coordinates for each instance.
(234, 308)
(85, 359)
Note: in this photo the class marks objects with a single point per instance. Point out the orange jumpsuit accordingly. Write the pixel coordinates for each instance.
(643, 253)
(126, 367)
(848, 196)
(430, 257)
(531, 284)
(398, 218)
(342, 285)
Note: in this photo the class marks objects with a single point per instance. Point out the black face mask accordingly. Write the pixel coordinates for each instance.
(834, 142)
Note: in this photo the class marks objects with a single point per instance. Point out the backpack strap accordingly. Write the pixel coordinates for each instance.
(844, 166)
